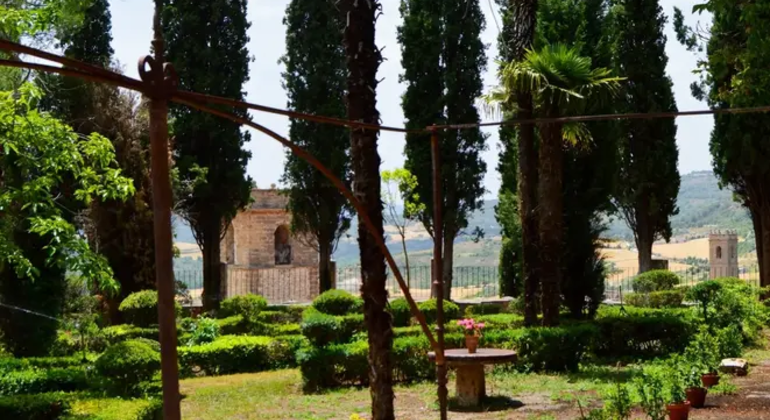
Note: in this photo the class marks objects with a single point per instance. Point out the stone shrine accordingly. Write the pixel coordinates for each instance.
(260, 255)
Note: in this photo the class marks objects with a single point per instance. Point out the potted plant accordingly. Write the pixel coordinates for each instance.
(703, 352)
(677, 405)
(650, 387)
(472, 333)
(696, 394)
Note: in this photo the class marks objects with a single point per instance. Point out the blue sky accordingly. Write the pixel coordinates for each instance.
(132, 32)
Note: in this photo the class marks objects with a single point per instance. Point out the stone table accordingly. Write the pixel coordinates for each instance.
(471, 385)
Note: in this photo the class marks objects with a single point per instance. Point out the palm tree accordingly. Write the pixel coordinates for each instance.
(560, 82)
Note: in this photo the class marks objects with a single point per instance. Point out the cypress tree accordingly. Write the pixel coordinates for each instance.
(206, 42)
(314, 79)
(649, 178)
(443, 58)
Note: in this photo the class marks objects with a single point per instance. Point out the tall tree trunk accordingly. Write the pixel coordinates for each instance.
(763, 248)
(644, 247)
(406, 260)
(363, 59)
(324, 265)
(448, 263)
(212, 273)
(551, 220)
(524, 14)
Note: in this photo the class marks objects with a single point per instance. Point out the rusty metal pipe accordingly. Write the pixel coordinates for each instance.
(438, 271)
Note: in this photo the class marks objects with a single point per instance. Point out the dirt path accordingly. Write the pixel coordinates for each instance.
(751, 402)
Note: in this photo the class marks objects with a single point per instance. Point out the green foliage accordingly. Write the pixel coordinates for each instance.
(141, 308)
(338, 302)
(38, 380)
(202, 330)
(731, 303)
(428, 308)
(442, 56)
(235, 354)
(8, 364)
(650, 385)
(129, 363)
(50, 406)
(123, 332)
(116, 409)
(248, 305)
(205, 41)
(322, 329)
(618, 402)
(703, 352)
(660, 299)
(655, 281)
(399, 311)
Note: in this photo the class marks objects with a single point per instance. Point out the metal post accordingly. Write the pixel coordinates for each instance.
(161, 200)
(438, 279)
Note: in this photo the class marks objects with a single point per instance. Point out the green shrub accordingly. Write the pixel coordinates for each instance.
(483, 309)
(117, 333)
(643, 333)
(275, 317)
(322, 329)
(233, 325)
(499, 321)
(399, 310)
(338, 302)
(89, 408)
(660, 299)
(50, 406)
(202, 330)
(731, 302)
(249, 306)
(293, 313)
(226, 355)
(141, 308)
(654, 281)
(37, 380)
(428, 308)
(129, 363)
(12, 363)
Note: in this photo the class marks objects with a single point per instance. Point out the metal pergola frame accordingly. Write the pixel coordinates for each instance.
(159, 82)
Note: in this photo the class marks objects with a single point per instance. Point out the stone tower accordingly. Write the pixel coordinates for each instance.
(723, 254)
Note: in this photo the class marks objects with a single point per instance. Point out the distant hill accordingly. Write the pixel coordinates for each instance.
(702, 207)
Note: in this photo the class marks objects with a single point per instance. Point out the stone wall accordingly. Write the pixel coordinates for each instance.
(277, 284)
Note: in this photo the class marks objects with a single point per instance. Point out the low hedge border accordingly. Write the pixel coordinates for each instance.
(322, 329)
(77, 406)
(8, 364)
(238, 354)
(660, 299)
(38, 380)
(48, 406)
(117, 333)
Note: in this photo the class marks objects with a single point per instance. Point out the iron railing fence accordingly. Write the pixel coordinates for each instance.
(468, 282)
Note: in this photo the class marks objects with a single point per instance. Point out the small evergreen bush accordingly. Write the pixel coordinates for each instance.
(428, 308)
(129, 363)
(399, 310)
(141, 308)
(654, 281)
(660, 299)
(249, 306)
(338, 302)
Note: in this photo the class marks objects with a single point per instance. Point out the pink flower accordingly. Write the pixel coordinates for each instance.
(480, 325)
(469, 327)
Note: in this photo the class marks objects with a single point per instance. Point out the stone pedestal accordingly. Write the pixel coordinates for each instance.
(471, 386)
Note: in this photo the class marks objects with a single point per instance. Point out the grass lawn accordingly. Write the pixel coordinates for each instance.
(278, 395)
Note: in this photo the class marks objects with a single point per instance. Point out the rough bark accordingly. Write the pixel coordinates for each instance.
(551, 220)
(363, 59)
(644, 240)
(448, 264)
(212, 274)
(324, 264)
(524, 14)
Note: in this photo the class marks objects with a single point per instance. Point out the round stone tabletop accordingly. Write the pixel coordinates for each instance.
(481, 357)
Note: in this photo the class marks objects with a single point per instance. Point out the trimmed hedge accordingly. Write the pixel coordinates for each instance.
(428, 308)
(11, 363)
(117, 333)
(654, 281)
(248, 305)
(293, 312)
(38, 380)
(338, 302)
(50, 406)
(238, 354)
(399, 311)
(115, 409)
(128, 364)
(141, 308)
(322, 329)
(661, 299)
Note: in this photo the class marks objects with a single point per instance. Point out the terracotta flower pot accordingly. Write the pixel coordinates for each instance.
(471, 343)
(709, 379)
(678, 411)
(696, 396)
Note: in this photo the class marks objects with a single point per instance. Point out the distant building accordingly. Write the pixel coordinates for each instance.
(723, 254)
(260, 255)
